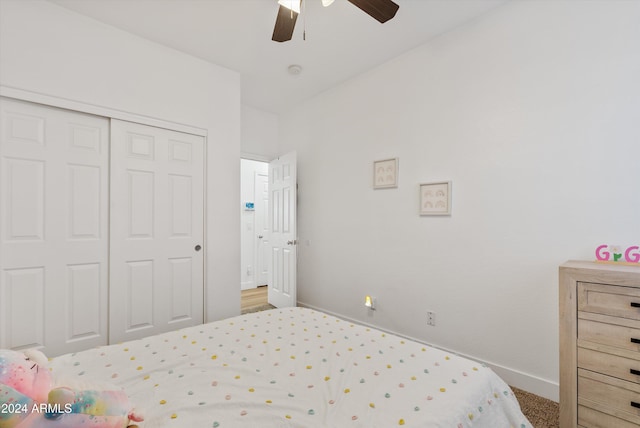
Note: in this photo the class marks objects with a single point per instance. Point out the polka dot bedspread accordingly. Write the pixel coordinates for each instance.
(296, 367)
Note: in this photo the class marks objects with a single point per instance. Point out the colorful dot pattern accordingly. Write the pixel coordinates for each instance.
(296, 367)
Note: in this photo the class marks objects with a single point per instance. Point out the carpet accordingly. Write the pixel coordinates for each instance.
(542, 413)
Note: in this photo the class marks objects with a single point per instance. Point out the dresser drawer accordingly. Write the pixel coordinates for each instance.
(612, 365)
(609, 300)
(610, 331)
(614, 397)
(591, 418)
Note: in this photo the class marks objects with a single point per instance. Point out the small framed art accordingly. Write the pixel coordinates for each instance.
(435, 198)
(385, 173)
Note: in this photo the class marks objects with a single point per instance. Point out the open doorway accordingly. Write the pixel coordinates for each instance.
(254, 215)
(268, 228)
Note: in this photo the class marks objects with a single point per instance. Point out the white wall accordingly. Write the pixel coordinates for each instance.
(248, 234)
(532, 112)
(259, 134)
(49, 50)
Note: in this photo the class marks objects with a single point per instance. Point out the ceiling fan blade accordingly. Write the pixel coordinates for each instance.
(285, 23)
(381, 10)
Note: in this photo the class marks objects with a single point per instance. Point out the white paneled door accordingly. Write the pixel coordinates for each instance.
(53, 228)
(283, 242)
(157, 230)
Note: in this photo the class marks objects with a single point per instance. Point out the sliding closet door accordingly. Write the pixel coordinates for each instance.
(157, 215)
(53, 228)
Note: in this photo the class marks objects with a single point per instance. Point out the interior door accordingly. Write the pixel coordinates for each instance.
(262, 229)
(54, 190)
(283, 241)
(157, 231)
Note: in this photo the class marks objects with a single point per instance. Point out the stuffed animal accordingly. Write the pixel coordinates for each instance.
(95, 408)
(27, 400)
(24, 382)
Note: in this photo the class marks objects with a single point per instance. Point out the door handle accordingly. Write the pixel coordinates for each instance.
(294, 242)
(260, 236)
(198, 248)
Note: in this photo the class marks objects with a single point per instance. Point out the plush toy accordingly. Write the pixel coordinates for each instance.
(95, 408)
(24, 382)
(27, 400)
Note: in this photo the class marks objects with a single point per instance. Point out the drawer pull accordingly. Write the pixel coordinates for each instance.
(634, 340)
(634, 372)
(636, 405)
(635, 305)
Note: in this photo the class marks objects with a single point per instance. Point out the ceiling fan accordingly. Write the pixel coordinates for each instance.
(381, 10)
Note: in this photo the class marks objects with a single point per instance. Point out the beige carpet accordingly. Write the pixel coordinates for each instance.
(542, 413)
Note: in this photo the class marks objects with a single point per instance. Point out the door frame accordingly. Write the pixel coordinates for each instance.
(255, 244)
(259, 242)
(111, 113)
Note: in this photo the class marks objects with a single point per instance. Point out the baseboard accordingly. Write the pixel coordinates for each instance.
(527, 382)
(247, 285)
(533, 384)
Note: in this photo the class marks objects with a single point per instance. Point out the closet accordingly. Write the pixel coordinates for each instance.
(101, 229)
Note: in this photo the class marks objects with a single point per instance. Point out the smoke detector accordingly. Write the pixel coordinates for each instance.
(294, 69)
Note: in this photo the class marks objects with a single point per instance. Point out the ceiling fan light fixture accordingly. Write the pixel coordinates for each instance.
(294, 5)
(288, 11)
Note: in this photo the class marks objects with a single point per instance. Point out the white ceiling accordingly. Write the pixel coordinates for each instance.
(341, 40)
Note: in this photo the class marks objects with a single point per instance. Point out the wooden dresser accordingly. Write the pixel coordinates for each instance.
(599, 345)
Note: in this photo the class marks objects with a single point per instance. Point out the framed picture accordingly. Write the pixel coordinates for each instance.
(435, 198)
(385, 173)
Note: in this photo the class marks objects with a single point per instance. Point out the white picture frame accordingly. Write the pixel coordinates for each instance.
(385, 173)
(435, 198)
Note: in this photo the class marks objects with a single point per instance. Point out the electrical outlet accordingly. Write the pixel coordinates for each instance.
(431, 318)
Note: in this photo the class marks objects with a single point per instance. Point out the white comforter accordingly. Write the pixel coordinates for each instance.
(296, 368)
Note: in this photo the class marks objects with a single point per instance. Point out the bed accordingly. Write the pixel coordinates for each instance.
(296, 367)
